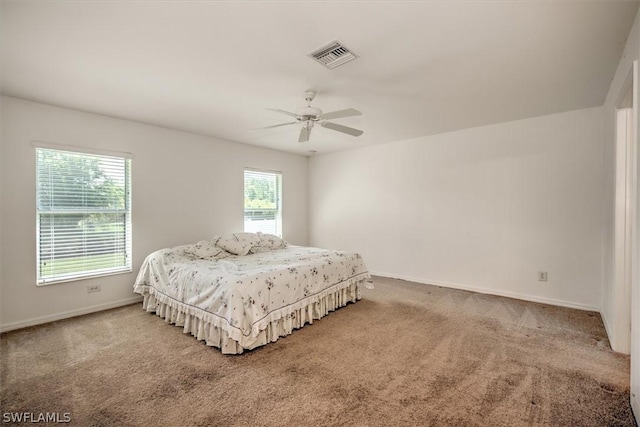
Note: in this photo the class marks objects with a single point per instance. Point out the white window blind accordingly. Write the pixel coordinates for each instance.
(83, 215)
(263, 202)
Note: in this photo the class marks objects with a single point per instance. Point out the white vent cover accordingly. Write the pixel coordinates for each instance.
(333, 55)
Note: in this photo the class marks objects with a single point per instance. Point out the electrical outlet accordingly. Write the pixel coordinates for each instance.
(542, 276)
(92, 289)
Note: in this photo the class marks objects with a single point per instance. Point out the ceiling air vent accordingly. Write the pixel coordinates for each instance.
(333, 55)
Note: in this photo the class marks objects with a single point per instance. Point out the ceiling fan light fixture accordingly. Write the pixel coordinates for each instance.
(308, 116)
(309, 111)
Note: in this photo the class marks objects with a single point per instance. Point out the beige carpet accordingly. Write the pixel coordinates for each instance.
(405, 355)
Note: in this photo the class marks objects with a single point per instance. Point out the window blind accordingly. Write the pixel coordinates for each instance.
(83, 215)
(263, 202)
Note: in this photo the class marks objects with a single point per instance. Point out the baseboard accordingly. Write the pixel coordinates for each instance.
(66, 314)
(607, 328)
(472, 288)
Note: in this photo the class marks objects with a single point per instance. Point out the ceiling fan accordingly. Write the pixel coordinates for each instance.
(309, 116)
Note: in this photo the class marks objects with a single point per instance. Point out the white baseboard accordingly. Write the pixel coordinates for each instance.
(66, 314)
(613, 341)
(607, 328)
(498, 292)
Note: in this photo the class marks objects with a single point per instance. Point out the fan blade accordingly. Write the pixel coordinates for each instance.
(304, 135)
(275, 126)
(339, 114)
(283, 112)
(340, 128)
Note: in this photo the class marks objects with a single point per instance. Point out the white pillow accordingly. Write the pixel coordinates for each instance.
(182, 249)
(271, 241)
(239, 243)
(206, 249)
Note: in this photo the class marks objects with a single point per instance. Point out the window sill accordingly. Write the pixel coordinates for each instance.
(83, 277)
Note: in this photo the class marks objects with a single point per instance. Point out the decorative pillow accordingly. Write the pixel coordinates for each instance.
(239, 243)
(205, 249)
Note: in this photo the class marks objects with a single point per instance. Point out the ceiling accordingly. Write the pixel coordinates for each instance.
(212, 68)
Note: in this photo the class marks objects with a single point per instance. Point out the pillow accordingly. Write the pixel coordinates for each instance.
(258, 249)
(182, 249)
(271, 241)
(239, 243)
(206, 249)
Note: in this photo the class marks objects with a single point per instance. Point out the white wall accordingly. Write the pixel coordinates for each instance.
(612, 305)
(482, 209)
(610, 309)
(2, 207)
(185, 188)
(609, 306)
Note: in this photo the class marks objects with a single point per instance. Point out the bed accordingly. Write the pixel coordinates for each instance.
(248, 289)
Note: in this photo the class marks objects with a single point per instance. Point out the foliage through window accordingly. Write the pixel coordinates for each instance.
(83, 215)
(263, 202)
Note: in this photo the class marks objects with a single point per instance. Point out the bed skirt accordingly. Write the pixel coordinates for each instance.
(280, 324)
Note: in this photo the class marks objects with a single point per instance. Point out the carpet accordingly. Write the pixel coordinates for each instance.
(407, 354)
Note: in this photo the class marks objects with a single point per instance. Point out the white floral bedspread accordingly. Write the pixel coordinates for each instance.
(241, 294)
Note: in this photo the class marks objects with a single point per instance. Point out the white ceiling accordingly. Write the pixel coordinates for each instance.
(213, 67)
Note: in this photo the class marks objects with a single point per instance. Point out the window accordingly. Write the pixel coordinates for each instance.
(83, 215)
(263, 202)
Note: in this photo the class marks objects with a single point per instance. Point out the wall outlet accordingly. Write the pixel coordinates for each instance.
(92, 289)
(542, 276)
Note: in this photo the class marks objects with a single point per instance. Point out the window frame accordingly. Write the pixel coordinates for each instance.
(279, 190)
(126, 212)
